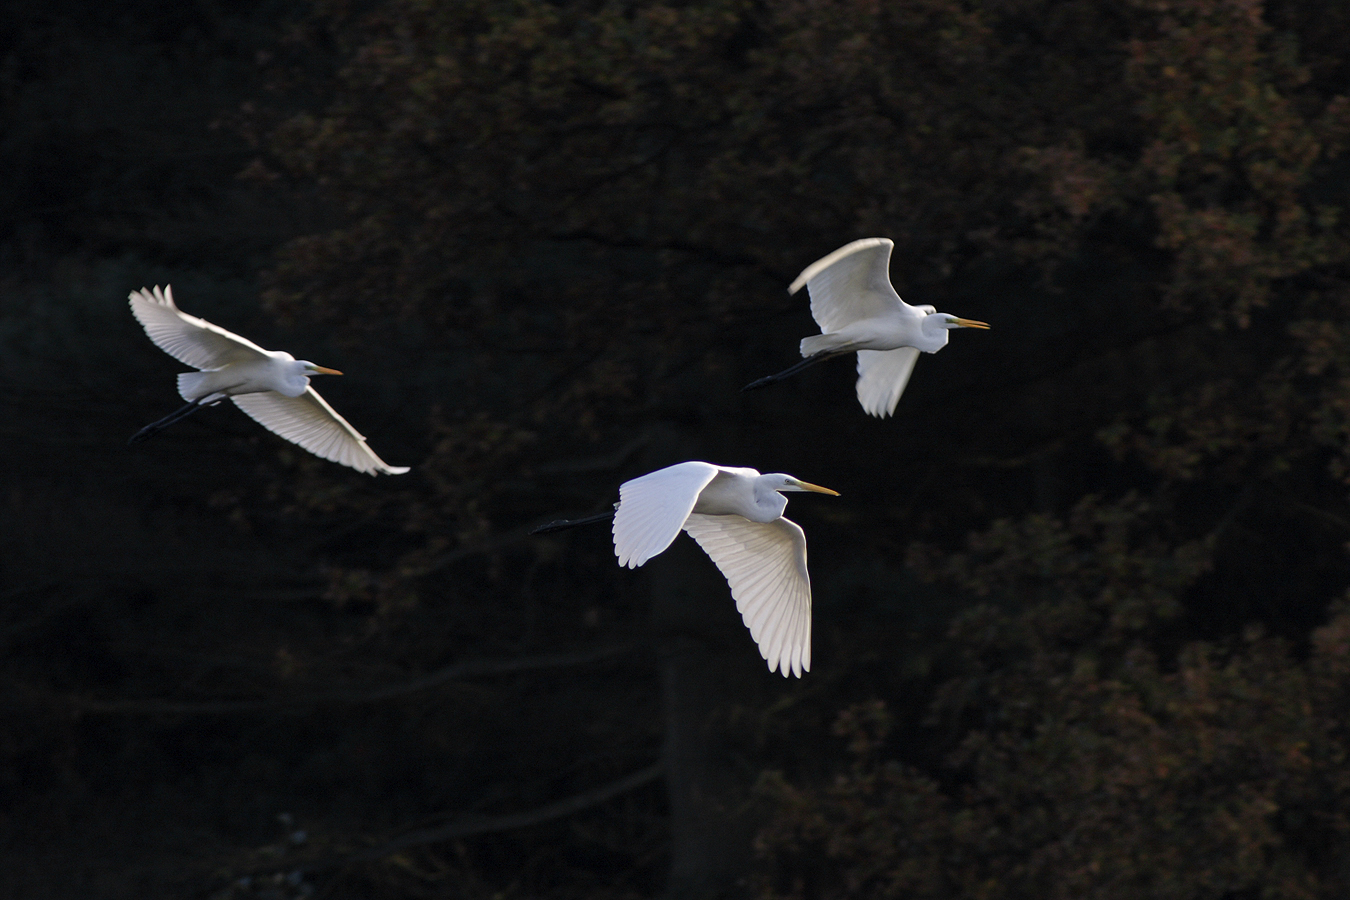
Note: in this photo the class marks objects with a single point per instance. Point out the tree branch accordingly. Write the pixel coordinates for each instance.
(466, 826)
(474, 668)
(469, 826)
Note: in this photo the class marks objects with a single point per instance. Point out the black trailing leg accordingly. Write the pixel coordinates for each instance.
(793, 370)
(561, 524)
(155, 428)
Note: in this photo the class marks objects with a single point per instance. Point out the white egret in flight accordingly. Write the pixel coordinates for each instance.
(736, 515)
(270, 385)
(858, 311)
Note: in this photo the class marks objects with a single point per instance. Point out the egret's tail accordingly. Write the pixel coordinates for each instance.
(821, 343)
(190, 385)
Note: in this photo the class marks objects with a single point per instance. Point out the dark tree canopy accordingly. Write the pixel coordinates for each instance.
(1081, 623)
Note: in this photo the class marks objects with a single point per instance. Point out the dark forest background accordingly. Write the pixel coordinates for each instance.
(1080, 612)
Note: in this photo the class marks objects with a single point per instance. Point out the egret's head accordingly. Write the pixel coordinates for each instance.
(311, 369)
(783, 482)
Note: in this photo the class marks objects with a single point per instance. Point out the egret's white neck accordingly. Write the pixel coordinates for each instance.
(296, 377)
(933, 330)
(768, 501)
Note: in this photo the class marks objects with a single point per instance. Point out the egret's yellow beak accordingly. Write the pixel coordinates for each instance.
(815, 488)
(968, 323)
(326, 371)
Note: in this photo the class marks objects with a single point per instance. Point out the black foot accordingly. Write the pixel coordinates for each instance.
(155, 428)
(793, 370)
(560, 524)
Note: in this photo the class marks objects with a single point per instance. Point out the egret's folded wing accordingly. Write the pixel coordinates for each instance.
(882, 376)
(850, 284)
(652, 509)
(765, 564)
(311, 423)
(188, 339)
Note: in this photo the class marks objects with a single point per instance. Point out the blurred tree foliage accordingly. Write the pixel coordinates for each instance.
(1081, 604)
(595, 204)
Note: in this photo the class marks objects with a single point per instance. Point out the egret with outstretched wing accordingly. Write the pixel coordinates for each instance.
(271, 386)
(736, 516)
(858, 310)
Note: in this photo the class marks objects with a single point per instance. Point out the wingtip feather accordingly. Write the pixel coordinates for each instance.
(157, 295)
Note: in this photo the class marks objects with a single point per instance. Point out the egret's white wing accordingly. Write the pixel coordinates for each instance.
(882, 376)
(765, 564)
(850, 284)
(310, 422)
(652, 509)
(188, 339)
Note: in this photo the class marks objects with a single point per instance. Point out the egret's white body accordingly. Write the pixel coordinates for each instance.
(736, 515)
(857, 309)
(271, 386)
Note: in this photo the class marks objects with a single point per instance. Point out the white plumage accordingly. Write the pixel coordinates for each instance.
(858, 310)
(736, 516)
(765, 566)
(882, 376)
(851, 284)
(271, 386)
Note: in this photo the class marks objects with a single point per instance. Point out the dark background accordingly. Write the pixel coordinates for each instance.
(1079, 621)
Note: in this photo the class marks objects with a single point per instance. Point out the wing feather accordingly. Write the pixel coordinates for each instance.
(775, 620)
(311, 423)
(765, 565)
(188, 339)
(653, 509)
(882, 376)
(850, 284)
(758, 608)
